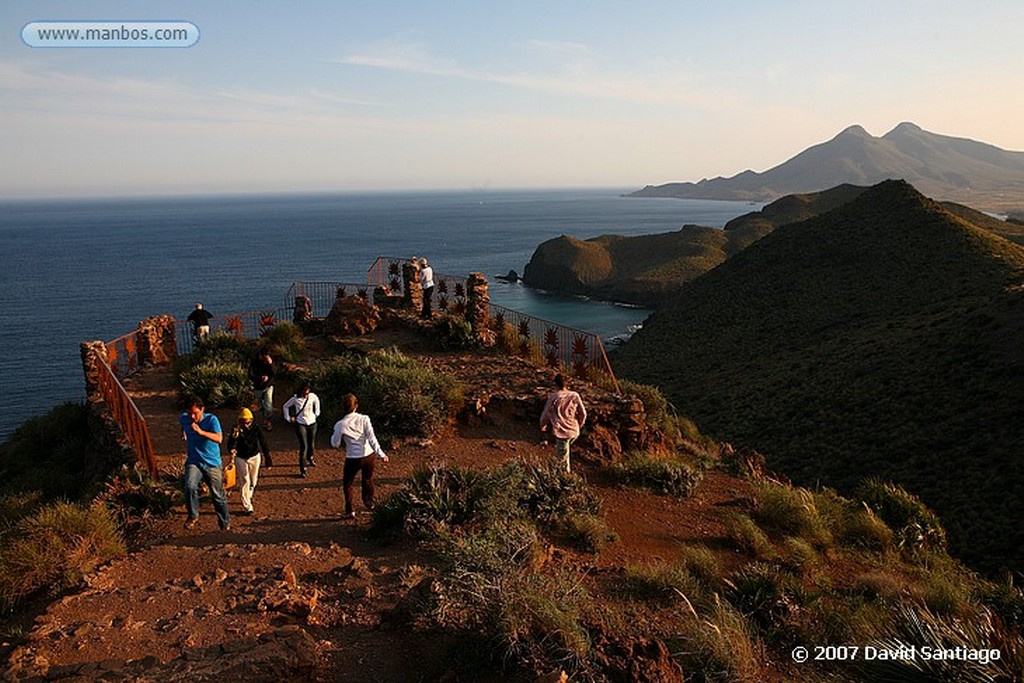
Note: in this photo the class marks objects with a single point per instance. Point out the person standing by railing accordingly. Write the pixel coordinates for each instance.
(302, 410)
(202, 434)
(200, 319)
(427, 284)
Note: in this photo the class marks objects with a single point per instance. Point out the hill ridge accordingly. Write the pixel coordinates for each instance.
(883, 337)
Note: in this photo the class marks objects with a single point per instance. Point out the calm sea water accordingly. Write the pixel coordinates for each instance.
(82, 270)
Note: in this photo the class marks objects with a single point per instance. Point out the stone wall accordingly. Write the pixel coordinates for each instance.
(156, 341)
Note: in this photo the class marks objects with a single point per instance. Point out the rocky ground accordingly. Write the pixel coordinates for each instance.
(294, 592)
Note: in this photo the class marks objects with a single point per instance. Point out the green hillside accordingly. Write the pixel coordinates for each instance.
(884, 338)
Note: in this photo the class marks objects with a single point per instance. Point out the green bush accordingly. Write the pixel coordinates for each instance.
(134, 498)
(786, 511)
(583, 531)
(222, 347)
(55, 548)
(403, 396)
(662, 584)
(452, 333)
(764, 593)
(284, 341)
(666, 476)
(916, 527)
(746, 534)
(218, 382)
(47, 453)
(217, 371)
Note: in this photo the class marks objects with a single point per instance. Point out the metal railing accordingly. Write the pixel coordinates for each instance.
(123, 355)
(576, 351)
(124, 411)
(322, 294)
(249, 325)
(565, 348)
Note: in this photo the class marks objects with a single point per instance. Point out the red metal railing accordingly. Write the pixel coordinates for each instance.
(126, 414)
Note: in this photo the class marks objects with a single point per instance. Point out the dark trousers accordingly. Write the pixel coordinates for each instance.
(306, 434)
(352, 467)
(428, 295)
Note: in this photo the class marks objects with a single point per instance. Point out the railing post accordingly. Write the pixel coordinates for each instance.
(478, 311)
(412, 290)
(92, 353)
(157, 342)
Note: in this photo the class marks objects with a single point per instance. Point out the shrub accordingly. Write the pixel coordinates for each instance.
(764, 594)
(748, 536)
(582, 531)
(722, 648)
(452, 333)
(661, 584)
(56, 547)
(538, 617)
(920, 628)
(285, 341)
(702, 564)
(221, 347)
(134, 498)
(916, 527)
(218, 383)
(665, 476)
(403, 396)
(786, 511)
(47, 453)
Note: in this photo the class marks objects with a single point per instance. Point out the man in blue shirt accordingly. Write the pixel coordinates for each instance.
(202, 433)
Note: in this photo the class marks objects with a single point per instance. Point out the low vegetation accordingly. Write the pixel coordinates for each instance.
(404, 397)
(668, 475)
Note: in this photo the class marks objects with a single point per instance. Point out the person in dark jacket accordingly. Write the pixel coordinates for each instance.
(248, 446)
(261, 372)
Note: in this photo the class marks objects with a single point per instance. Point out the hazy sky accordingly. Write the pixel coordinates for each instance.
(335, 95)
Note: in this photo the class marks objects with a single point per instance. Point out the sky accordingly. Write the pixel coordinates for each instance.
(294, 95)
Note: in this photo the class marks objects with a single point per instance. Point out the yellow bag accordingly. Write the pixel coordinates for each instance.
(229, 475)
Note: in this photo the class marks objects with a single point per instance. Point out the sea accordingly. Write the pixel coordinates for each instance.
(90, 269)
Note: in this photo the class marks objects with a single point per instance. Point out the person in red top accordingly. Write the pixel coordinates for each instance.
(564, 414)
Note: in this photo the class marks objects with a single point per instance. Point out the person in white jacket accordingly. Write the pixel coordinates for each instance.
(354, 433)
(302, 410)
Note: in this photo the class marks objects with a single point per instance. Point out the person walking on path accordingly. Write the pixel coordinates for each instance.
(427, 283)
(202, 434)
(354, 433)
(302, 410)
(248, 447)
(261, 372)
(200, 319)
(564, 413)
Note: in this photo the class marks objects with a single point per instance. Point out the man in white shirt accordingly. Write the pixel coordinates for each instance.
(427, 283)
(354, 433)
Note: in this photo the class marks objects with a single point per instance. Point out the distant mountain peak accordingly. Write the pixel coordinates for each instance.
(855, 130)
(943, 167)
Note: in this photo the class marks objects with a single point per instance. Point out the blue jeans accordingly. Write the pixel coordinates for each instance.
(306, 434)
(214, 478)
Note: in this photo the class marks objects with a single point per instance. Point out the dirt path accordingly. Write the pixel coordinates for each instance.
(294, 590)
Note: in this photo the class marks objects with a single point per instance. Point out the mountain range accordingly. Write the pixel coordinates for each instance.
(883, 338)
(974, 173)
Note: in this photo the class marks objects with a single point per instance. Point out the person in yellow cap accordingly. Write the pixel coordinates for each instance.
(248, 446)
